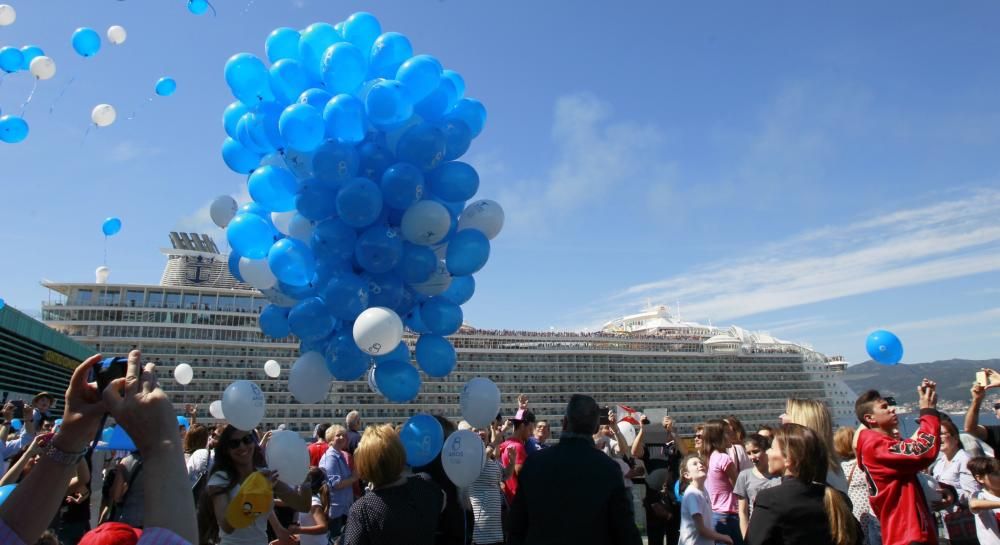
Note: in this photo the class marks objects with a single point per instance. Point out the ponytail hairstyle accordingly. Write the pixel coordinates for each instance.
(318, 485)
(713, 438)
(807, 455)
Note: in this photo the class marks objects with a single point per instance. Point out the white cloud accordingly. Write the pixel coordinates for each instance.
(128, 150)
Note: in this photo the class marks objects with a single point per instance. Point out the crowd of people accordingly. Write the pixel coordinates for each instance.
(798, 482)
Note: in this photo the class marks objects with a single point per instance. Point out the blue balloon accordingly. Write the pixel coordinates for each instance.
(315, 40)
(268, 116)
(402, 185)
(29, 52)
(251, 235)
(435, 355)
(198, 7)
(454, 181)
(317, 200)
(335, 162)
(422, 437)
(86, 41)
(471, 112)
(252, 134)
(274, 321)
(414, 322)
(398, 381)
(2, 303)
(344, 359)
(292, 262)
(318, 345)
(884, 347)
(361, 29)
(247, 77)
(344, 67)
(345, 119)
(439, 102)
(165, 87)
(400, 353)
(456, 80)
(335, 239)
(359, 202)
(388, 52)
(379, 249)
(231, 116)
(420, 75)
(273, 188)
(257, 210)
(16, 424)
(301, 126)
(468, 251)
(13, 129)
(183, 421)
(417, 263)
(460, 290)
(289, 79)
(282, 43)
(111, 226)
(422, 145)
(310, 320)
(346, 296)
(386, 105)
(5, 491)
(457, 138)
(441, 316)
(315, 97)
(384, 290)
(11, 59)
(116, 438)
(375, 159)
(234, 266)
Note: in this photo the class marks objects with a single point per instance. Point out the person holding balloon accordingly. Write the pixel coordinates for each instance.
(312, 527)
(486, 497)
(340, 479)
(989, 434)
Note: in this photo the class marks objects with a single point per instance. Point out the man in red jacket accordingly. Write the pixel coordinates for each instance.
(891, 465)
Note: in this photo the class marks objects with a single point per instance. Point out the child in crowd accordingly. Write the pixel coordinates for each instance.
(696, 510)
(986, 503)
(722, 473)
(752, 480)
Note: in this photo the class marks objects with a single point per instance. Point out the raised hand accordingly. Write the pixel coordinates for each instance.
(141, 407)
(83, 412)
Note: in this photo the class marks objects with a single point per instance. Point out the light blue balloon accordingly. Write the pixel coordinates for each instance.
(419, 75)
(438, 102)
(422, 145)
(252, 134)
(398, 381)
(231, 116)
(471, 112)
(375, 158)
(86, 41)
(435, 355)
(257, 210)
(165, 87)
(422, 437)
(118, 439)
(414, 322)
(388, 52)
(292, 262)
(345, 119)
(379, 249)
(417, 263)
(315, 97)
(400, 353)
(302, 127)
(198, 7)
(884, 347)
(13, 129)
(402, 185)
(5, 491)
(457, 137)
(346, 296)
(11, 59)
(315, 40)
(359, 202)
(111, 226)
(251, 235)
(386, 105)
(29, 52)
(289, 79)
(282, 43)
(274, 321)
(237, 157)
(248, 78)
(454, 181)
(2, 303)
(335, 239)
(441, 316)
(460, 290)
(344, 67)
(317, 199)
(183, 421)
(16, 424)
(385, 290)
(456, 80)
(468, 251)
(335, 162)
(273, 188)
(361, 29)
(344, 359)
(310, 320)
(234, 265)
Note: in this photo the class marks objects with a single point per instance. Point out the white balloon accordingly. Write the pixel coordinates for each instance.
(309, 379)
(183, 374)
(117, 34)
(257, 273)
(287, 454)
(223, 210)
(425, 223)
(272, 369)
(215, 409)
(463, 456)
(378, 331)
(301, 228)
(628, 431)
(282, 220)
(103, 115)
(484, 215)
(438, 282)
(480, 402)
(243, 404)
(7, 14)
(42, 67)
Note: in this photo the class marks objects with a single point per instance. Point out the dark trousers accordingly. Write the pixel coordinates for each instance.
(659, 531)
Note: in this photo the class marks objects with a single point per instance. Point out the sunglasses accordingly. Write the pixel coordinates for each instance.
(245, 440)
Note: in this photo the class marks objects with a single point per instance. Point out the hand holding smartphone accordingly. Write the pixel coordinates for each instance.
(107, 371)
(988, 378)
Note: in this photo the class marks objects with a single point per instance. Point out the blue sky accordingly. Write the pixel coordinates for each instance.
(810, 169)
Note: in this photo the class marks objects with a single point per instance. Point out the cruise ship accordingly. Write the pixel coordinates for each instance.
(651, 361)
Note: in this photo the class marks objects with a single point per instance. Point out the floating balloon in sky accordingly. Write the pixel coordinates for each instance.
(166, 87)
(111, 226)
(13, 129)
(7, 14)
(199, 7)
(272, 369)
(103, 115)
(86, 41)
(43, 67)
(222, 210)
(884, 347)
(11, 59)
(183, 374)
(116, 34)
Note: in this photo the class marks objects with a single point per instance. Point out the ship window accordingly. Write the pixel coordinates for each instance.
(173, 300)
(134, 298)
(84, 297)
(110, 297)
(155, 299)
(190, 300)
(243, 303)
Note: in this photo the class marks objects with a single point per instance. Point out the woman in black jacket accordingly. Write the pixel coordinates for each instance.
(803, 508)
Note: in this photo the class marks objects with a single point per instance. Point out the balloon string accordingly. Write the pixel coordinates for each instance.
(105, 247)
(52, 108)
(249, 4)
(214, 13)
(31, 95)
(84, 139)
(137, 110)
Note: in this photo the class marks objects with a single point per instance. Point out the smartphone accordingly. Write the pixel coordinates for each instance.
(604, 416)
(107, 371)
(18, 408)
(981, 379)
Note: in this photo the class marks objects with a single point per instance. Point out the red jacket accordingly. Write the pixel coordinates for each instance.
(316, 451)
(891, 466)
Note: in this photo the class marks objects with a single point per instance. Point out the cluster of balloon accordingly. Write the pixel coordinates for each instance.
(884, 347)
(30, 58)
(363, 218)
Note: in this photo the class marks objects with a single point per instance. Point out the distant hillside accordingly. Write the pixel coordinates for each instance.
(954, 377)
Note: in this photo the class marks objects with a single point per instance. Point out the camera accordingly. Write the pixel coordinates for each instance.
(18, 409)
(107, 371)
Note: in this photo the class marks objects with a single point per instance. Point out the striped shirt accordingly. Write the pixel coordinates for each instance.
(486, 499)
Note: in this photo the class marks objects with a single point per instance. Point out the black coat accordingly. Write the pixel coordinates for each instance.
(572, 494)
(791, 513)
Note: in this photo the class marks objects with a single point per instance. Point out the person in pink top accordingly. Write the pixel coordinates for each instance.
(722, 473)
(523, 422)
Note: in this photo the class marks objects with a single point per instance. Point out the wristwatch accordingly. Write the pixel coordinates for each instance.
(62, 457)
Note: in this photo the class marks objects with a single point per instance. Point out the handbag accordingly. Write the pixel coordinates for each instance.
(961, 526)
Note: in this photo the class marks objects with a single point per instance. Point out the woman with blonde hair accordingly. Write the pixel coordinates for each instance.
(814, 415)
(804, 508)
(857, 487)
